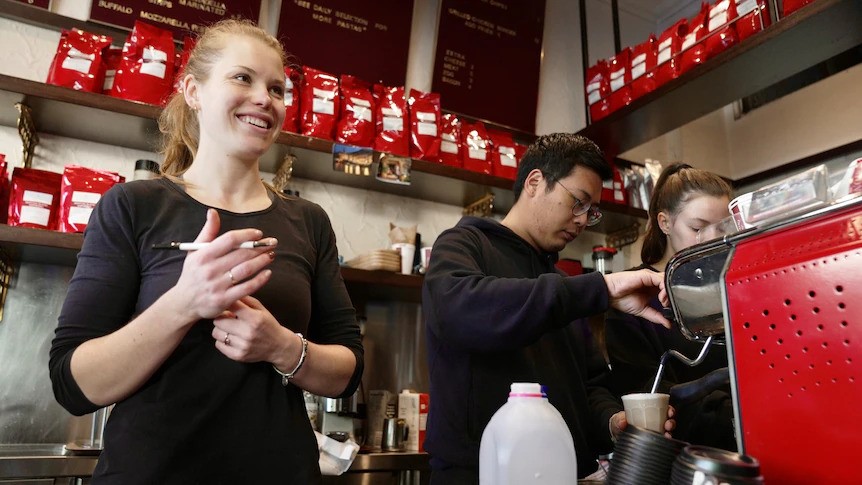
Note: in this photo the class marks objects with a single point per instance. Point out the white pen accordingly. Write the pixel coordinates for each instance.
(194, 246)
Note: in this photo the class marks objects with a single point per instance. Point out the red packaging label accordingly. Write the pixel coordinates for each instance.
(643, 63)
(391, 134)
(320, 103)
(292, 80)
(504, 157)
(753, 17)
(597, 90)
(693, 50)
(619, 68)
(721, 31)
(146, 72)
(476, 147)
(356, 125)
(78, 61)
(450, 141)
(424, 125)
(80, 189)
(35, 198)
(668, 47)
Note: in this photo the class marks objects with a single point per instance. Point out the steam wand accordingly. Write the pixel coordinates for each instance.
(682, 358)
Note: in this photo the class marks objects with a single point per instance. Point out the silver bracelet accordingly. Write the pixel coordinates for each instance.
(286, 377)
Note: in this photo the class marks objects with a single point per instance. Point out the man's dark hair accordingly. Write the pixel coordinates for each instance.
(557, 155)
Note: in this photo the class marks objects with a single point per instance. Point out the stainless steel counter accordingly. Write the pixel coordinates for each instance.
(43, 460)
(52, 460)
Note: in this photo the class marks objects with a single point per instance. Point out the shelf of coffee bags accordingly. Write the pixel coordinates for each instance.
(809, 36)
(24, 244)
(105, 119)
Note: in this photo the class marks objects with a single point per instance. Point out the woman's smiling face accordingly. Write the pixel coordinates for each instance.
(241, 104)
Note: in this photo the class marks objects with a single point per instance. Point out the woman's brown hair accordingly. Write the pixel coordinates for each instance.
(675, 186)
(178, 123)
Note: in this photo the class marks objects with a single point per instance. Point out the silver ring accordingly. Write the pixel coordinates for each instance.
(230, 275)
(227, 339)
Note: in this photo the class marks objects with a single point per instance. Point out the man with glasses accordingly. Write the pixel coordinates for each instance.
(497, 311)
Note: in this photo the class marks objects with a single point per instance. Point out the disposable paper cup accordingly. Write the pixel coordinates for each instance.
(408, 251)
(739, 210)
(647, 410)
(425, 256)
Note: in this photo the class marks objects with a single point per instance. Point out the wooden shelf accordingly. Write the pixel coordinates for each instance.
(40, 246)
(366, 285)
(813, 34)
(24, 244)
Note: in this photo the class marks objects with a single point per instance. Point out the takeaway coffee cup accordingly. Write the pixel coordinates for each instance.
(408, 252)
(647, 410)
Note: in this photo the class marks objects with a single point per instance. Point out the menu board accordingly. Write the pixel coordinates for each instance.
(37, 3)
(365, 38)
(488, 59)
(182, 17)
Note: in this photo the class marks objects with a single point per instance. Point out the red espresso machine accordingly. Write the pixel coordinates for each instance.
(786, 300)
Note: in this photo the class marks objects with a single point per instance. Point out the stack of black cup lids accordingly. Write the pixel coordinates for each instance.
(643, 457)
(703, 464)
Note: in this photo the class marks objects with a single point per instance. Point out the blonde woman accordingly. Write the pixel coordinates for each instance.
(206, 352)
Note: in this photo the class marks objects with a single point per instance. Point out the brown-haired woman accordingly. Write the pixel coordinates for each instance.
(205, 353)
(685, 201)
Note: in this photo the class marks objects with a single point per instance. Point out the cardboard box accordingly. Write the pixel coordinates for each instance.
(413, 408)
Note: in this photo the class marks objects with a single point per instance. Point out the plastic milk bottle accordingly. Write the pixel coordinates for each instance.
(527, 442)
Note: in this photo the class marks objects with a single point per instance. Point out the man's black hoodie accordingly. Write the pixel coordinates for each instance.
(497, 311)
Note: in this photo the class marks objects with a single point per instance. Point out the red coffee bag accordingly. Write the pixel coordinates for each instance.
(476, 152)
(722, 31)
(503, 157)
(450, 141)
(424, 124)
(78, 61)
(753, 17)
(320, 103)
(356, 125)
(292, 81)
(80, 189)
(643, 64)
(35, 198)
(668, 50)
(146, 72)
(4, 190)
(693, 49)
(391, 118)
(598, 89)
(619, 67)
(111, 57)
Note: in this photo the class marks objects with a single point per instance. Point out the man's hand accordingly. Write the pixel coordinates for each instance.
(618, 423)
(631, 291)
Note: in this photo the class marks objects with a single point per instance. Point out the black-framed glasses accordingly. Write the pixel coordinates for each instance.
(594, 215)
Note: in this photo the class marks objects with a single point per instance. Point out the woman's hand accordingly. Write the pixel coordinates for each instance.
(215, 277)
(247, 332)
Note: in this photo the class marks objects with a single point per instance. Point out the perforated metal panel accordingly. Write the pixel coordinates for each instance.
(794, 299)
